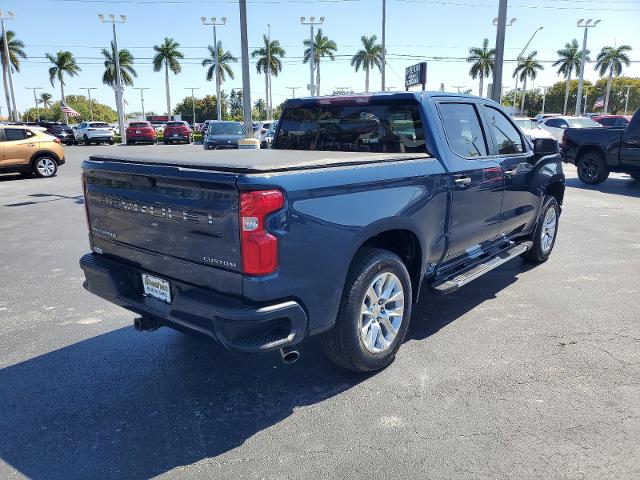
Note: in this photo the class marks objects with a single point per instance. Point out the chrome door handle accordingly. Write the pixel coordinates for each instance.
(511, 172)
(462, 181)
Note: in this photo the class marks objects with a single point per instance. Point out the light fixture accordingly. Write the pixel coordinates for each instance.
(596, 22)
(123, 18)
(580, 22)
(321, 19)
(101, 17)
(301, 19)
(224, 19)
(213, 19)
(204, 19)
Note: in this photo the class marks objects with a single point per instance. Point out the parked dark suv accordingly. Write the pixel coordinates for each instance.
(61, 131)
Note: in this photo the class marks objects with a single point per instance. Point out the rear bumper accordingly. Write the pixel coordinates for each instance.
(232, 322)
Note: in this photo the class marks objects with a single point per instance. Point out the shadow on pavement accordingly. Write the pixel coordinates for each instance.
(48, 197)
(616, 186)
(125, 404)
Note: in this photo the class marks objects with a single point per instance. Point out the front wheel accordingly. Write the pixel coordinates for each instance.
(592, 169)
(374, 313)
(86, 140)
(544, 236)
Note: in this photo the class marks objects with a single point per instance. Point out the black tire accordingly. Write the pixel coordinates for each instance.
(129, 142)
(343, 343)
(86, 140)
(45, 166)
(592, 168)
(166, 142)
(538, 253)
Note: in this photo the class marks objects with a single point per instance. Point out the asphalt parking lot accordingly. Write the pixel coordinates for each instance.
(525, 373)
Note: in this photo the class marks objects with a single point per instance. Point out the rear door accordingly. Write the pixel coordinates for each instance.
(630, 145)
(477, 181)
(520, 202)
(19, 145)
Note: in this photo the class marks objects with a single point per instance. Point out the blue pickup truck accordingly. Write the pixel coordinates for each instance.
(362, 202)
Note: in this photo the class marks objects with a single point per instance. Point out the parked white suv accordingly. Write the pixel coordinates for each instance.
(556, 125)
(94, 132)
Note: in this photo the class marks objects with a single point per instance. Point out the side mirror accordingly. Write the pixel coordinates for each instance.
(563, 126)
(545, 146)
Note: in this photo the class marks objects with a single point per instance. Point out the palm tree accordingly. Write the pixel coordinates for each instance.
(268, 61)
(16, 52)
(611, 58)
(570, 57)
(127, 72)
(225, 58)
(322, 47)
(45, 100)
(63, 62)
(527, 68)
(167, 56)
(483, 61)
(370, 56)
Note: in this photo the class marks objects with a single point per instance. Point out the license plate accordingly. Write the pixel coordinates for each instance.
(176, 135)
(138, 131)
(156, 287)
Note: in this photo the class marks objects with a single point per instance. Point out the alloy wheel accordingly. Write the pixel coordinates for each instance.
(382, 312)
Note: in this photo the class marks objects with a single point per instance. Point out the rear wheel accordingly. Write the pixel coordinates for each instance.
(544, 237)
(45, 167)
(86, 140)
(592, 169)
(374, 313)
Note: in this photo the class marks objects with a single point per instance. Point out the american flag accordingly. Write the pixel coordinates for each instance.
(68, 110)
(599, 103)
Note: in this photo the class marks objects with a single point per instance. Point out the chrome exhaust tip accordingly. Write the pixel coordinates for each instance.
(289, 355)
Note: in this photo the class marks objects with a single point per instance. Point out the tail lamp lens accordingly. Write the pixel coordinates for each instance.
(259, 247)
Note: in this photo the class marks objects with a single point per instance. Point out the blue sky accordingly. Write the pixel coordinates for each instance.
(424, 28)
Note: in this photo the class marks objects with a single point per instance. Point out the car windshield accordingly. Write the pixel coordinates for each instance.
(99, 125)
(394, 128)
(231, 128)
(582, 123)
(525, 123)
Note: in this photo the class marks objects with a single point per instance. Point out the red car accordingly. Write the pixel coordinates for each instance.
(612, 120)
(140, 132)
(177, 132)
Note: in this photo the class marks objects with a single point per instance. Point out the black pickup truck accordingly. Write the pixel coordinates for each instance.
(362, 201)
(598, 151)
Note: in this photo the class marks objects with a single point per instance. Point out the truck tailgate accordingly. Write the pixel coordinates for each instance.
(169, 220)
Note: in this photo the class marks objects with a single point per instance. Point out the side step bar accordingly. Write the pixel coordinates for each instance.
(452, 284)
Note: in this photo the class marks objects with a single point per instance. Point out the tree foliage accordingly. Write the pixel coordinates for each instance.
(206, 108)
(80, 104)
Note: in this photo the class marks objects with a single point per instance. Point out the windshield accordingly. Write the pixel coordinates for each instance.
(395, 128)
(231, 128)
(582, 123)
(525, 123)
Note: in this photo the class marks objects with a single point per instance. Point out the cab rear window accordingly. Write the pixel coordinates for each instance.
(393, 128)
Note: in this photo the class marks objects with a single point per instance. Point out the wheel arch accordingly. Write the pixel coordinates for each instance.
(556, 189)
(590, 149)
(404, 242)
(43, 153)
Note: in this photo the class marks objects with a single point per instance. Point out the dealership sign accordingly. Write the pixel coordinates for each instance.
(416, 75)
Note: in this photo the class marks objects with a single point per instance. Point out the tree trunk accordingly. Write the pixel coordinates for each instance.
(606, 98)
(366, 79)
(6, 91)
(166, 84)
(66, 117)
(270, 96)
(481, 85)
(318, 77)
(566, 94)
(524, 94)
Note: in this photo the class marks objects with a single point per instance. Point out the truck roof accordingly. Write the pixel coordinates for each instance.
(255, 161)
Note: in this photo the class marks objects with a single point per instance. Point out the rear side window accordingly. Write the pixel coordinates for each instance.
(507, 138)
(462, 126)
(11, 134)
(607, 122)
(394, 128)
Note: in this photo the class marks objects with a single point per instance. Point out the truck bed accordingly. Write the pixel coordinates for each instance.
(254, 161)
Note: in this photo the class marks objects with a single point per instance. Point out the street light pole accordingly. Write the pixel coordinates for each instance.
(384, 42)
(246, 82)
(518, 59)
(544, 97)
(10, 16)
(119, 89)
(312, 60)
(193, 103)
(142, 89)
(216, 66)
(88, 89)
(586, 25)
(293, 91)
(626, 100)
(35, 100)
(500, 34)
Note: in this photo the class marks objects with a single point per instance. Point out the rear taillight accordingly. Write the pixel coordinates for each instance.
(57, 140)
(259, 247)
(86, 201)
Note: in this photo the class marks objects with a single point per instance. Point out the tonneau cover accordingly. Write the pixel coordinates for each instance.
(251, 161)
